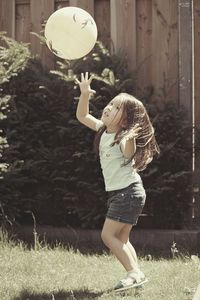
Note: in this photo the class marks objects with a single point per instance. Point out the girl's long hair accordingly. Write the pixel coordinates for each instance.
(133, 113)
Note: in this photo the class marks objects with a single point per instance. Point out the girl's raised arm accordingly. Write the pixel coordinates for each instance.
(82, 112)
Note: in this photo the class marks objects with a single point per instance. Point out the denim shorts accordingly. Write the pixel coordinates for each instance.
(125, 205)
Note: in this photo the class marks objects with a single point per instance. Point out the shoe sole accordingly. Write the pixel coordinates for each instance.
(135, 285)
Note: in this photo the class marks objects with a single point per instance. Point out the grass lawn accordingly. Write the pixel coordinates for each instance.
(59, 274)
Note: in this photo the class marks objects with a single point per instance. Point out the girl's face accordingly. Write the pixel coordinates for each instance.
(112, 114)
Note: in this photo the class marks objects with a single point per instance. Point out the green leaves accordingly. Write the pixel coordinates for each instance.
(13, 58)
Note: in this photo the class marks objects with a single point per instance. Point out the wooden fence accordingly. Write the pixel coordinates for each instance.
(196, 109)
(161, 39)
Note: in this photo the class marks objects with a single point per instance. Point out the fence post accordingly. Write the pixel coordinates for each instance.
(87, 5)
(164, 68)
(40, 11)
(185, 55)
(196, 177)
(7, 17)
(102, 19)
(144, 48)
(185, 71)
(123, 29)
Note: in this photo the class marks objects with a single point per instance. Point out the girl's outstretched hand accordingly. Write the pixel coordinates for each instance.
(84, 84)
(133, 132)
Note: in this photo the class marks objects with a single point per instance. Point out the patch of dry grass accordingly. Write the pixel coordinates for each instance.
(61, 274)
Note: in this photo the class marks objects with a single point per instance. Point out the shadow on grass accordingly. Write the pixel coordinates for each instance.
(82, 294)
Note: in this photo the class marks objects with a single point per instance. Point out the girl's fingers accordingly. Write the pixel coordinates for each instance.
(130, 137)
(134, 134)
(92, 91)
(85, 78)
(135, 130)
(90, 79)
(136, 126)
(77, 81)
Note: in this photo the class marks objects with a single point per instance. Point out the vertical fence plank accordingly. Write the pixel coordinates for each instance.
(40, 11)
(185, 55)
(7, 17)
(164, 50)
(22, 32)
(87, 5)
(172, 51)
(196, 179)
(102, 19)
(123, 29)
(61, 3)
(144, 46)
(185, 67)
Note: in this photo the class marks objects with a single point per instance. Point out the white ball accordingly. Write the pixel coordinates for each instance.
(70, 33)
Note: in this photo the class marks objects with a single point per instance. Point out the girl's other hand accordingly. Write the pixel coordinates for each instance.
(133, 132)
(84, 84)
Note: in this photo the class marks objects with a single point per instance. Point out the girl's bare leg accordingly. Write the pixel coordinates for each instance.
(110, 236)
(124, 237)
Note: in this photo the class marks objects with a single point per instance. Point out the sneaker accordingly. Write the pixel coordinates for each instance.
(142, 276)
(130, 282)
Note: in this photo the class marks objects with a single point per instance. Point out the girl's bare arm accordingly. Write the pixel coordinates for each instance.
(128, 143)
(82, 112)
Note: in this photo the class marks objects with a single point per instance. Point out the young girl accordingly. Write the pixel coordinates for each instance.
(126, 144)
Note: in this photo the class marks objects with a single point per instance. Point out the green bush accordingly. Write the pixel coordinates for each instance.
(48, 166)
(169, 178)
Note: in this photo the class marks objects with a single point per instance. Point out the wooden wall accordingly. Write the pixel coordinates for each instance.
(145, 30)
(160, 38)
(196, 110)
(155, 35)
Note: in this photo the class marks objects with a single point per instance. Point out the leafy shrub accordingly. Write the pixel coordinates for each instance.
(169, 178)
(48, 164)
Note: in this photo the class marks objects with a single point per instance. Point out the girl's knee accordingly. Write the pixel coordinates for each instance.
(106, 237)
(123, 235)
